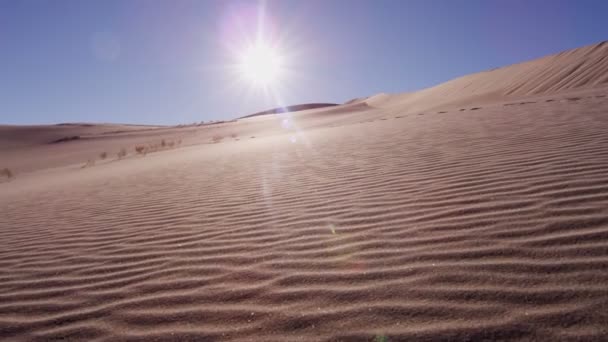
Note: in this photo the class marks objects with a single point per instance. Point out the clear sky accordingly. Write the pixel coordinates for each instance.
(172, 61)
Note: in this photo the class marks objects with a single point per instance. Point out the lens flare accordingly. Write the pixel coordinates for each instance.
(261, 64)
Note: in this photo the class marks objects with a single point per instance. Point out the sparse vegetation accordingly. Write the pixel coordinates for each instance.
(6, 172)
(122, 153)
(144, 149)
(216, 139)
(141, 149)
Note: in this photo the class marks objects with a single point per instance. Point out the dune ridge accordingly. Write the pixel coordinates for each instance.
(292, 108)
(585, 67)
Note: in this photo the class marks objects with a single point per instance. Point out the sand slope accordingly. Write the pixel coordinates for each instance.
(581, 68)
(354, 223)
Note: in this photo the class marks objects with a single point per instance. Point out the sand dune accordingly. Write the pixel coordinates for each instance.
(294, 108)
(581, 68)
(373, 221)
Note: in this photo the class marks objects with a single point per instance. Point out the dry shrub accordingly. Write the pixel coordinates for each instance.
(6, 172)
(141, 149)
(163, 143)
(103, 155)
(216, 138)
(122, 153)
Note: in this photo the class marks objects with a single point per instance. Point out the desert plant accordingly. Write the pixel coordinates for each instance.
(216, 138)
(140, 149)
(103, 155)
(122, 153)
(6, 172)
(163, 143)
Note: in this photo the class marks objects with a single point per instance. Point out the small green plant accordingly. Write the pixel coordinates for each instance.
(122, 153)
(103, 155)
(6, 172)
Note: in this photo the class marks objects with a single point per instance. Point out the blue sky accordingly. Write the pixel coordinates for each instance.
(170, 62)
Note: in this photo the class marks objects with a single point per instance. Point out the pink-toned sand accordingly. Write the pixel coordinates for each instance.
(474, 210)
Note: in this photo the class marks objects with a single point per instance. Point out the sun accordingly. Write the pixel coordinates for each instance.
(261, 64)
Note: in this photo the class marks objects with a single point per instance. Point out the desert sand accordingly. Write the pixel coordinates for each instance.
(473, 210)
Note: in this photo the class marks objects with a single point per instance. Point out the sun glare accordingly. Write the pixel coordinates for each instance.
(261, 65)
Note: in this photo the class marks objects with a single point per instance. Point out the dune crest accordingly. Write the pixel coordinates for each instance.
(585, 67)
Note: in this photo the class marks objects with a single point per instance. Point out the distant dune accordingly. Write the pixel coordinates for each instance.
(475, 210)
(294, 108)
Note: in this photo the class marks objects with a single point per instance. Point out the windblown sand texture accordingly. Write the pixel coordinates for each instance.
(477, 209)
